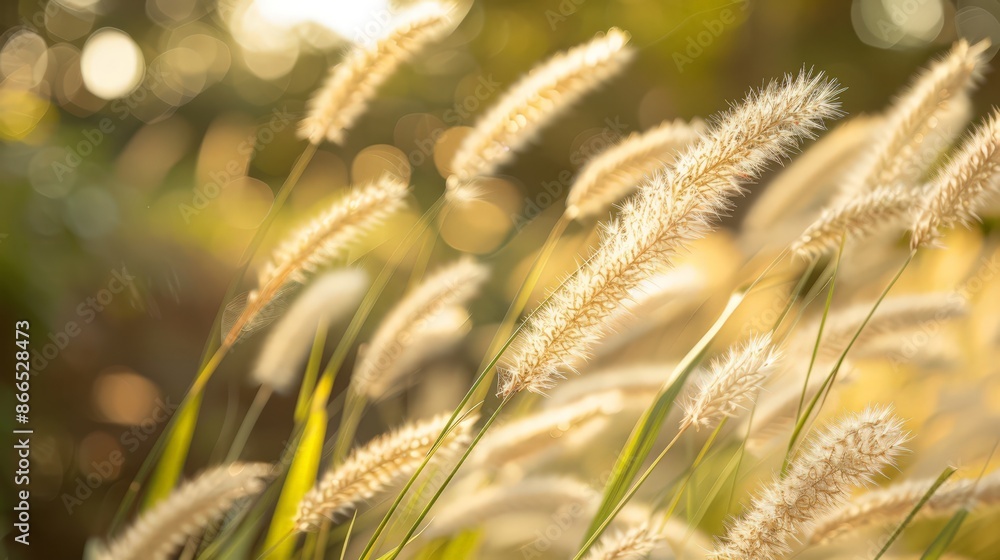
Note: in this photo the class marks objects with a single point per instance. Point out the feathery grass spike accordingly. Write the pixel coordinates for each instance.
(889, 505)
(353, 82)
(966, 182)
(668, 212)
(537, 432)
(849, 454)
(617, 171)
(732, 379)
(377, 466)
(186, 512)
(857, 218)
(912, 121)
(549, 89)
(323, 239)
(379, 369)
(540, 494)
(633, 544)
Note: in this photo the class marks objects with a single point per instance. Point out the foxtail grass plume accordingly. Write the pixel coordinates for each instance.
(537, 433)
(158, 533)
(401, 333)
(849, 454)
(634, 544)
(902, 152)
(617, 171)
(668, 212)
(353, 82)
(876, 210)
(800, 186)
(546, 494)
(322, 240)
(732, 380)
(327, 299)
(970, 178)
(377, 466)
(892, 504)
(534, 101)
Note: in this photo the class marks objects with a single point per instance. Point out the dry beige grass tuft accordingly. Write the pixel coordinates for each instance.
(849, 454)
(187, 512)
(352, 84)
(548, 90)
(667, 213)
(376, 467)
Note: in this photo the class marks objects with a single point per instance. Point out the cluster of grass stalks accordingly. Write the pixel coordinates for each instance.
(580, 437)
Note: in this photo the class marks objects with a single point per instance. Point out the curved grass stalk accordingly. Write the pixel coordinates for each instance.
(596, 534)
(452, 422)
(643, 436)
(828, 382)
(822, 324)
(454, 470)
(165, 477)
(355, 404)
(526, 289)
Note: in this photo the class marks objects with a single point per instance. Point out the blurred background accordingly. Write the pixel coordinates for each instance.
(143, 141)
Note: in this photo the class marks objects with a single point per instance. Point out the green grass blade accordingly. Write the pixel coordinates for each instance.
(824, 389)
(944, 538)
(945, 475)
(302, 473)
(643, 437)
(171, 465)
(308, 386)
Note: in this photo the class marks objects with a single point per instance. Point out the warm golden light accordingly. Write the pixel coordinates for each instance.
(111, 63)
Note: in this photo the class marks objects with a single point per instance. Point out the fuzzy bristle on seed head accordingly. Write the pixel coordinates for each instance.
(323, 239)
(633, 544)
(892, 504)
(856, 218)
(549, 89)
(352, 84)
(377, 466)
(614, 173)
(916, 127)
(732, 380)
(849, 454)
(453, 285)
(669, 211)
(969, 179)
(160, 531)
